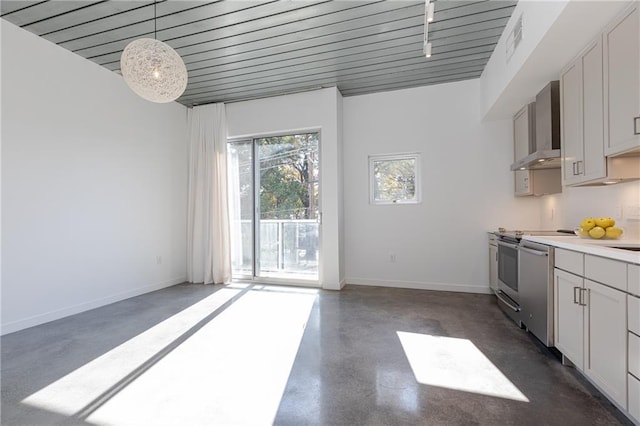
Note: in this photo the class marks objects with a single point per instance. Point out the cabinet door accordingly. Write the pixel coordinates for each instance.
(522, 132)
(571, 121)
(622, 78)
(634, 397)
(594, 164)
(606, 341)
(493, 267)
(568, 316)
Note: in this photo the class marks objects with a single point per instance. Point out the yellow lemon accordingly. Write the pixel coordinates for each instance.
(597, 232)
(587, 223)
(582, 232)
(605, 222)
(613, 232)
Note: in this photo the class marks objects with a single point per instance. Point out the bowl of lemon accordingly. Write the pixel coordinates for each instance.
(599, 228)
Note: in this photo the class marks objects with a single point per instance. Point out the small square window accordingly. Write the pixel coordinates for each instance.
(394, 179)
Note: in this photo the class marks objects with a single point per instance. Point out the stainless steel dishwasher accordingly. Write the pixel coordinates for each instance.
(535, 278)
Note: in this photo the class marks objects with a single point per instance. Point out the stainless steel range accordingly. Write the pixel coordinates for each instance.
(525, 281)
(507, 293)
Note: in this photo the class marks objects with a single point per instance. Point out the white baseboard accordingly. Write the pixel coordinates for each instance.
(34, 320)
(461, 288)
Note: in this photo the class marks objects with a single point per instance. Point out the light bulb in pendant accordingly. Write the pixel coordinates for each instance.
(156, 73)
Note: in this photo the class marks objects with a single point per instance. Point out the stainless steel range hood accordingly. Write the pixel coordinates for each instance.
(544, 159)
(545, 152)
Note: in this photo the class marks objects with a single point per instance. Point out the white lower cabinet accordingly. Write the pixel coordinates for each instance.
(634, 354)
(605, 352)
(634, 397)
(633, 322)
(591, 326)
(569, 316)
(493, 262)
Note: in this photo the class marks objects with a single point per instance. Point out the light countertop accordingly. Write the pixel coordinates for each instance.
(594, 247)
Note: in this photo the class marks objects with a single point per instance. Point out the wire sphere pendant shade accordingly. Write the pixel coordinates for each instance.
(153, 70)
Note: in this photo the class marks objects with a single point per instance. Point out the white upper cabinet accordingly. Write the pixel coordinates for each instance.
(523, 131)
(600, 107)
(523, 136)
(571, 113)
(581, 96)
(621, 40)
(594, 165)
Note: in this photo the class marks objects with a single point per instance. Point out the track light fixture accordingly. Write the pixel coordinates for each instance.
(427, 50)
(429, 10)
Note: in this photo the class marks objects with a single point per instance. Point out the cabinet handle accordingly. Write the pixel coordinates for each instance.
(636, 125)
(575, 295)
(575, 168)
(582, 298)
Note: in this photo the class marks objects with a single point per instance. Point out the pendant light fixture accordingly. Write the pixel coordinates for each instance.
(152, 69)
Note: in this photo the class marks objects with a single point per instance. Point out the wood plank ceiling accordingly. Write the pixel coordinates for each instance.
(238, 50)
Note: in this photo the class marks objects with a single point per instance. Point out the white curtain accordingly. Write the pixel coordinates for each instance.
(208, 251)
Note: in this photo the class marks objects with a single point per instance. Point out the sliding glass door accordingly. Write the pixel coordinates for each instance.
(274, 195)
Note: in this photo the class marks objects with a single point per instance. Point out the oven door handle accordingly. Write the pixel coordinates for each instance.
(499, 295)
(513, 246)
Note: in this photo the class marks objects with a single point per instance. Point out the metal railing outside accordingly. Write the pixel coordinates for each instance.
(287, 246)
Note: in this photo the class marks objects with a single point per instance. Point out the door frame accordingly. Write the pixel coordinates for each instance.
(253, 278)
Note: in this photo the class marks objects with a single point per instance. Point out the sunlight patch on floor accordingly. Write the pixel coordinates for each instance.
(455, 364)
(232, 370)
(77, 389)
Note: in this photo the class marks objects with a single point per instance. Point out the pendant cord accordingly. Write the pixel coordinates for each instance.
(155, 20)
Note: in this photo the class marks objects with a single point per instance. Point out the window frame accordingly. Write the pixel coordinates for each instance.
(417, 199)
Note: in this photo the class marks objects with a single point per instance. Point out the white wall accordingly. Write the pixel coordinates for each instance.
(467, 188)
(93, 185)
(298, 112)
(566, 210)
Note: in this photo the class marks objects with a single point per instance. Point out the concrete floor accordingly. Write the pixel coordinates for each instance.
(368, 356)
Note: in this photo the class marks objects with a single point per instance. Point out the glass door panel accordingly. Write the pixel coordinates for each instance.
(288, 206)
(241, 192)
(273, 197)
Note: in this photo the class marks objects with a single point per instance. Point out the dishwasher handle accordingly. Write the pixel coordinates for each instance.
(534, 252)
(510, 245)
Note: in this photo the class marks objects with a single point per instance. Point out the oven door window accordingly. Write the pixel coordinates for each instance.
(508, 266)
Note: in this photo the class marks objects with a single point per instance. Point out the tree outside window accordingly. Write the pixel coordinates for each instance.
(394, 179)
